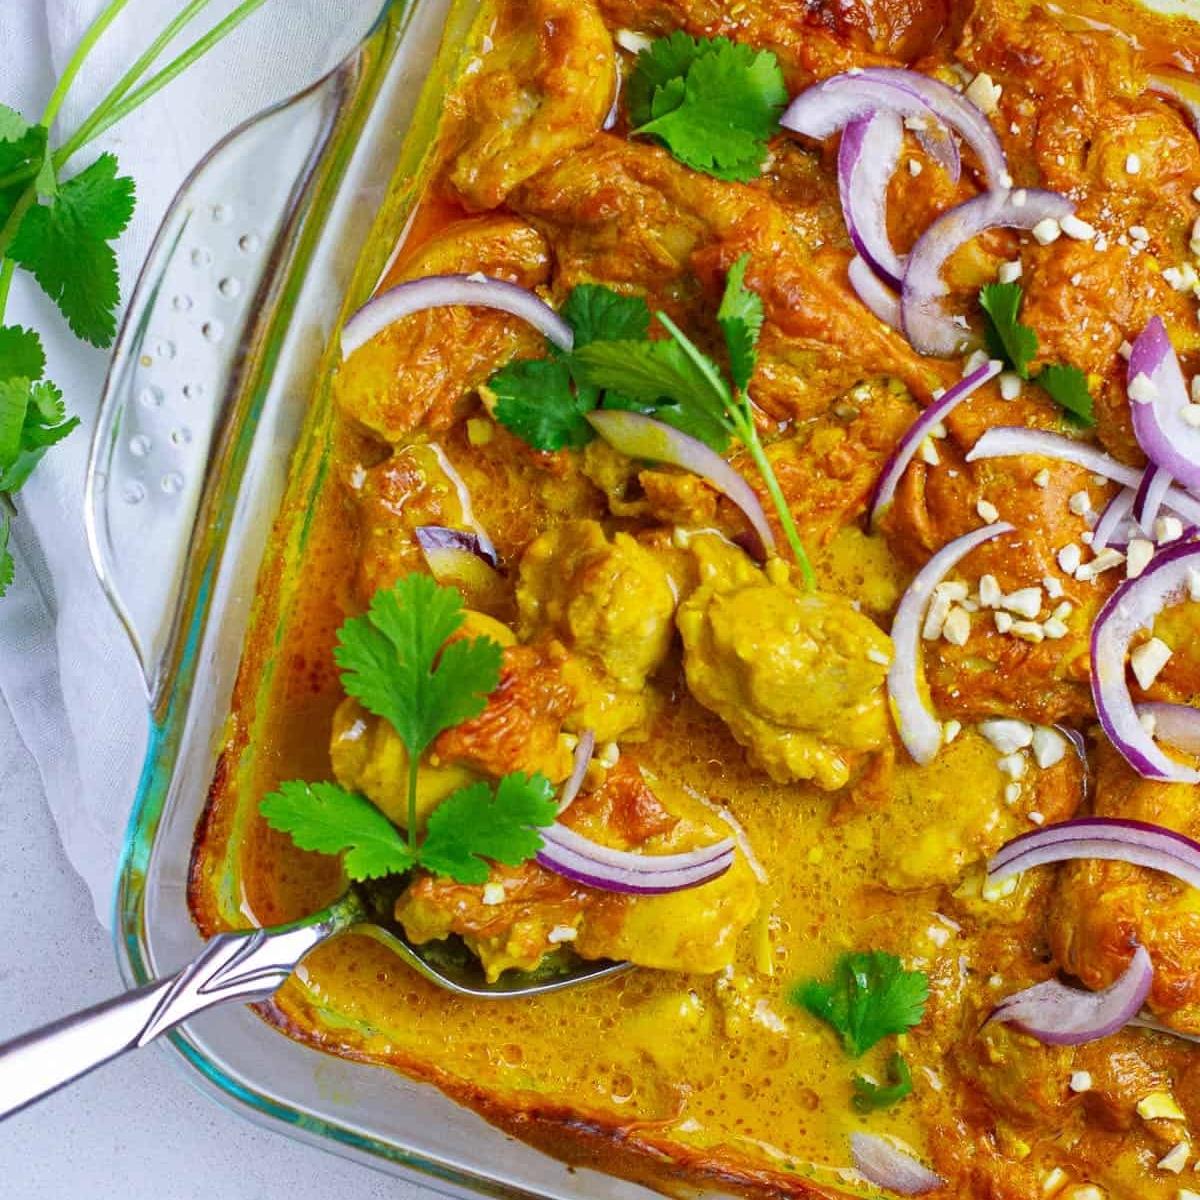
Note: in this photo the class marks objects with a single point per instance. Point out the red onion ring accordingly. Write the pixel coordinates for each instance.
(1184, 91)
(897, 464)
(1115, 512)
(1130, 609)
(573, 856)
(432, 538)
(886, 1166)
(942, 148)
(927, 325)
(1167, 439)
(438, 291)
(1148, 499)
(1009, 441)
(640, 436)
(867, 160)
(1064, 1016)
(833, 103)
(918, 726)
(1177, 725)
(874, 293)
(1116, 839)
(583, 755)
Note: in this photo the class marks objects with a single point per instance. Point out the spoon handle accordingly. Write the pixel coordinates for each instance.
(232, 966)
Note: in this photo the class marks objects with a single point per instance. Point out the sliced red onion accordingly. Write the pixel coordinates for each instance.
(583, 755)
(640, 436)
(918, 431)
(433, 538)
(867, 161)
(942, 148)
(1143, 1022)
(874, 293)
(887, 1166)
(1115, 839)
(1177, 725)
(1148, 499)
(1108, 531)
(1130, 609)
(919, 728)
(1064, 1016)
(573, 856)
(833, 103)
(1009, 441)
(927, 324)
(1167, 439)
(1184, 91)
(438, 291)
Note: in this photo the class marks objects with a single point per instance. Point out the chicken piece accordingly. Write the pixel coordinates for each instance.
(609, 604)
(543, 90)
(626, 213)
(632, 490)
(693, 930)
(416, 372)
(797, 676)
(1101, 910)
(369, 757)
(521, 728)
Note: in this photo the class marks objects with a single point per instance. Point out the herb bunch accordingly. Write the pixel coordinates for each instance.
(58, 225)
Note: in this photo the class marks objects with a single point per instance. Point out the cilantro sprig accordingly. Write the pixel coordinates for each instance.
(615, 365)
(402, 662)
(59, 226)
(869, 996)
(870, 1096)
(712, 102)
(1017, 344)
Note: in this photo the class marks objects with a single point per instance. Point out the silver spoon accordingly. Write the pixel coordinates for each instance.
(237, 966)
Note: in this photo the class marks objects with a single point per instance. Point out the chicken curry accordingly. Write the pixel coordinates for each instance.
(755, 543)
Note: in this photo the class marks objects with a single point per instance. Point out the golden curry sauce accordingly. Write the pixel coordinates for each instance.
(703, 1071)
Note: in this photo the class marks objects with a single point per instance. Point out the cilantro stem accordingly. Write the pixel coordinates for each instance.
(160, 79)
(414, 765)
(120, 89)
(7, 267)
(743, 424)
(94, 33)
(8, 231)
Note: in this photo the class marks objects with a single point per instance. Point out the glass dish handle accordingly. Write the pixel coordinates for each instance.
(187, 347)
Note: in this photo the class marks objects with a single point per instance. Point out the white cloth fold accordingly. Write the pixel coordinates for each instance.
(66, 671)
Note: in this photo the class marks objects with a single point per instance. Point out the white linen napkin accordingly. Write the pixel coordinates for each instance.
(66, 671)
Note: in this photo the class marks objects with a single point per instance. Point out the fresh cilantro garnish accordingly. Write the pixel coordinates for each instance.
(397, 662)
(869, 996)
(1068, 385)
(472, 824)
(60, 229)
(870, 1096)
(1016, 345)
(712, 102)
(598, 314)
(1007, 339)
(400, 663)
(535, 399)
(741, 319)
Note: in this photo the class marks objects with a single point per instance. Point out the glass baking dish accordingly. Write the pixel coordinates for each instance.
(216, 389)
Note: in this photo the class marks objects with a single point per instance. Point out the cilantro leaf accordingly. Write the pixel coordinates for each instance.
(1006, 337)
(1069, 387)
(692, 420)
(396, 663)
(45, 424)
(14, 401)
(741, 319)
(327, 818)
(21, 353)
(535, 401)
(473, 824)
(869, 996)
(716, 113)
(599, 314)
(869, 1096)
(6, 558)
(22, 151)
(65, 246)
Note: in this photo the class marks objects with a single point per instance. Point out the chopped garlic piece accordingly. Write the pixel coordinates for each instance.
(1148, 659)
(1012, 793)
(1073, 227)
(1159, 1106)
(493, 893)
(988, 511)
(1081, 1081)
(929, 454)
(984, 93)
(1004, 622)
(1080, 503)
(1053, 586)
(1007, 734)
(1013, 765)
(1010, 385)
(1042, 477)
(609, 755)
(914, 167)
(957, 627)
(1133, 164)
(1069, 557)
(1027, 602)
(1049, 747)
(1168, 529)
(990, 594)
(1053, 1181)
(1055, 628)
(562, 933)
(1009, 272)
(1087, 1191)
(1138, 556)
(998, 889)
(1176, 1158)
(1028, 631)
(950, 730)
(1142, 389)
(974, 360)
(1046, 231)
(635, 43)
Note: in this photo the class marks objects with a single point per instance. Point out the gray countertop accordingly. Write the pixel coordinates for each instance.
(135, 1129)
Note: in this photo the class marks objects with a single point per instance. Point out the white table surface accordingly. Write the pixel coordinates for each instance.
(135, 1129)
